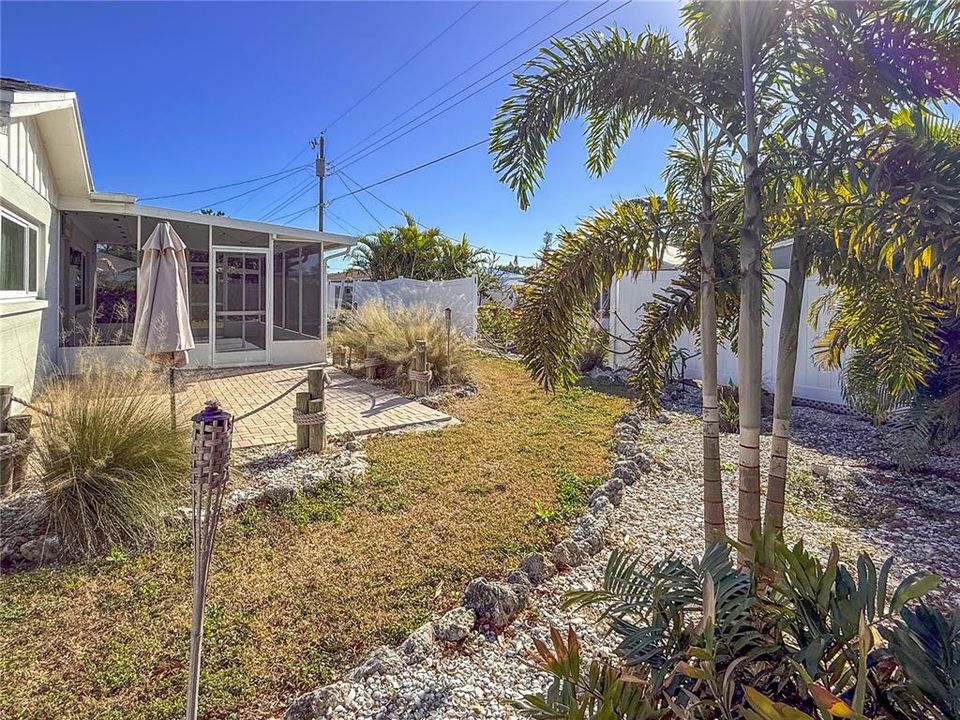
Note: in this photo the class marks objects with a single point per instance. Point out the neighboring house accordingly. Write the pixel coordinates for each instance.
(69, 256)
(504, 290)
(340, 288)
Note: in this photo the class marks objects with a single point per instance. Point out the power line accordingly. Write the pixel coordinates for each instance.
(404, 64)
(343, 223)
(229, 185)
(455, 77)
(292, 199)
(413, 169)
(246, 192)
(343, 179)
(420, 224)
(277, 202)
(388, 140)
(236, 209)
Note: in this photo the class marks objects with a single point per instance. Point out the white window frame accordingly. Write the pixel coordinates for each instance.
(28, 226)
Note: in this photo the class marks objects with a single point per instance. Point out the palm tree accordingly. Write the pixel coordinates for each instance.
(410, 251)
(751, 65)
(618, 83)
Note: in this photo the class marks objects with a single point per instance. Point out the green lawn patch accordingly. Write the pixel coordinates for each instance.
(301, 593)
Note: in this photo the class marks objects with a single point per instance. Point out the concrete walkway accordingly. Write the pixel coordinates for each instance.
(353, 405)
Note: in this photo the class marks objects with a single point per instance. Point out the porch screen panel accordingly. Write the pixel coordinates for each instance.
(99, 277)
(298, 283)
(197, 239)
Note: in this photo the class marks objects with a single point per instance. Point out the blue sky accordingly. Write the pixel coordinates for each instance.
(183, 96)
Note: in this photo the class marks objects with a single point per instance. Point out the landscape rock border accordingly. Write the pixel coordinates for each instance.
(491, 605)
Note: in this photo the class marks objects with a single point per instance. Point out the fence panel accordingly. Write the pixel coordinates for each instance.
(459, 295)
(628, 294)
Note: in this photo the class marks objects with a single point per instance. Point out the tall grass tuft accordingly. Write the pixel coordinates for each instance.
(396, 330)
(111, 465)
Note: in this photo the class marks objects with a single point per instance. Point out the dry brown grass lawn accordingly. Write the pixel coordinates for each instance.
(293, 601)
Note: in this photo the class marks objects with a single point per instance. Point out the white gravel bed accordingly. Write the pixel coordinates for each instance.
(914, 518)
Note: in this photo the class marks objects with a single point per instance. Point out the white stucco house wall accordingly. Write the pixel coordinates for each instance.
(69, 256)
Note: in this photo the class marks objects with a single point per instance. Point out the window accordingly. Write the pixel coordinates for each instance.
(297, 290)
(18, 257)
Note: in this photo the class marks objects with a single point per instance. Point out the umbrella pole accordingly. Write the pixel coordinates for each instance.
(173, 402)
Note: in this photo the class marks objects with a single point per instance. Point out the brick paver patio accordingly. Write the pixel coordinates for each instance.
(353, 405)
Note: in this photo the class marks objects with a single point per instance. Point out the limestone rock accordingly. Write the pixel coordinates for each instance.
(382, 660)
(42, 549)
(317, 703)
(494, 602)
(420, 644)
(518, 580)
(455, 625)
(588, 534)
(601, 509)
(612, 490)
(278, 494)
(538, 568)
(567, 554)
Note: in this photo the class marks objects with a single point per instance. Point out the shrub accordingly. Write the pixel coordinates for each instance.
(789, 637)
(111, 465)
(497, 324)
(396, 330)
(594, 351)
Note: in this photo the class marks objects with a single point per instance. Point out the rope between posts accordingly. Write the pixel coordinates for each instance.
(40, 410)
(307, 418)
(18, 448)
(270, 402)
(423, 376)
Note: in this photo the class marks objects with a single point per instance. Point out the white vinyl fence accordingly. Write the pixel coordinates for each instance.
(460, 295)
(629, 293)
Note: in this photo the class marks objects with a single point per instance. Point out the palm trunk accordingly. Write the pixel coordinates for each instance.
(750, 332)
(714, 524)
(786, 375)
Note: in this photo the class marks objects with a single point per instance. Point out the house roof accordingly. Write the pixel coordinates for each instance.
(16, 84)
(57, 116)
(56, 113)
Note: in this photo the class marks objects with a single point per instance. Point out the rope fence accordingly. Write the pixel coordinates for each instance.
(31, 406)
(268, 403)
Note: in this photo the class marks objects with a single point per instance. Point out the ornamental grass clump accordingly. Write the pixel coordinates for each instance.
(111, 465)
(396, 330)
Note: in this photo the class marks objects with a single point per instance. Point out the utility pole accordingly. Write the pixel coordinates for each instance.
(321, 170)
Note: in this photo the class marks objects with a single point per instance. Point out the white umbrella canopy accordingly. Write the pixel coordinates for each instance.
(161, 329)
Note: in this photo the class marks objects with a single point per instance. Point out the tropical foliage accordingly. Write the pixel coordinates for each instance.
(786, 121)
(496, 324)
(418, 253)
(706, 639)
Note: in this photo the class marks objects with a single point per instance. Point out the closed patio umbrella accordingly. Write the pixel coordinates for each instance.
(161, 329)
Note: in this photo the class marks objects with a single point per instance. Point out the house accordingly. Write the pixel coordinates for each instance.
(69, 257)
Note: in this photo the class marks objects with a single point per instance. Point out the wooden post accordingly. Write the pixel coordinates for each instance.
(420, 365)
(6, 438)
(6, 402)
(371, 369)
(349, 358)
(316, 380)
(6, 466)
(19, 425)
(303, 431)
